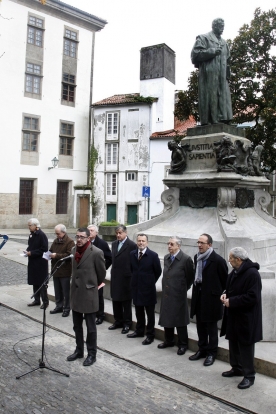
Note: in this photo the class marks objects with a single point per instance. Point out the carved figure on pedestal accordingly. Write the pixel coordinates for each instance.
(178, 158)
(256, 159)
(210, 55)
(225, 154)
(242, 153)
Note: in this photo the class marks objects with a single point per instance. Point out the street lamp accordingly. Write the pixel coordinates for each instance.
(54, 162)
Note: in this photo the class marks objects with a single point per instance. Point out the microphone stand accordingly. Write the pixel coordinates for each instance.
(41, 361)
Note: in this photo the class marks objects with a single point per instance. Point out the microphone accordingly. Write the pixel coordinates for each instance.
(66, 258)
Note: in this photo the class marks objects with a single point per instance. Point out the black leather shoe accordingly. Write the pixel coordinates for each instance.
(125, 330)
(246, 383)
(147, 341)
(65, 313)
(34, 303)
(74, 356)
(56, 310)
(44, 306)
(99, 321)
(209, 360)
(89, 360)
(181, 350)
(135, 335)
(114, 326)
(232, 373)
(197, 356)
(165, 345)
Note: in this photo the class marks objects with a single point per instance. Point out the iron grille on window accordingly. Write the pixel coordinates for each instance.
(62, 197)
(26, 197)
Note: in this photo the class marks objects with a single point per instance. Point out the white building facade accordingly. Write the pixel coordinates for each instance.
(122, 128)
(46, 71)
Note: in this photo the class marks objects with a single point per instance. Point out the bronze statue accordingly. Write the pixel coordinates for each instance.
(210, 55)
(178, 158)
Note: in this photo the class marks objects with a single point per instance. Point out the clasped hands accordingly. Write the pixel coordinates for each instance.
(224, 300)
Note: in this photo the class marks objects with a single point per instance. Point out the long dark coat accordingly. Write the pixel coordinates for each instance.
(242, 321)
(120, 272)
(87, 275)
(177, 280)
(102, 244)
(62, 248)
(145, 273)
(214, 97)
(37, 266)
(214, 276)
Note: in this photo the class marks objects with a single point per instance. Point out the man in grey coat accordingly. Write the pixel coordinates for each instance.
(177, 279)
(88, 272)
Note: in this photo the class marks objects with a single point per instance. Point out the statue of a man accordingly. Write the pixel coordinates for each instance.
(211, 55)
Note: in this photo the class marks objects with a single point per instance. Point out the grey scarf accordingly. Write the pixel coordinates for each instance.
(200, 259)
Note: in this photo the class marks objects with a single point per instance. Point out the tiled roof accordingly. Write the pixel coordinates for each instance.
(180, 127)
(128, 98)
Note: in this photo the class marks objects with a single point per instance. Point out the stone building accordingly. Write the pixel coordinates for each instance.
(47, 75)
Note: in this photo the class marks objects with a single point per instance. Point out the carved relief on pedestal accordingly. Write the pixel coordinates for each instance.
(264, 200)
(170, 198)
(226, 204)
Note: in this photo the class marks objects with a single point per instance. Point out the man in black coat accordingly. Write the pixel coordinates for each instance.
(101, 244)
(37, 266)
(146, 269)
(242, 320)
(210, 281)
(120, 280)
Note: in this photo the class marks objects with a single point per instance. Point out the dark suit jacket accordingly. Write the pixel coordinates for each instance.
(177, 279)
(37, 266)
(214, 276)
(120, 272)
(145, 273)
(87, 275)
(102, 244)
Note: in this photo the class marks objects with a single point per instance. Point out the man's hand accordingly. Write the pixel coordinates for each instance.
(224, 300)
(218, 50)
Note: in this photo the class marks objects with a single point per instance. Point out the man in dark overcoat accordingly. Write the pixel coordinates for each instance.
(120, 289)
(101, 244)
(146, 270)
(210, 281)
(242, 320)
(88, 272)
(61, 248)
(177, 279)
(37, 266)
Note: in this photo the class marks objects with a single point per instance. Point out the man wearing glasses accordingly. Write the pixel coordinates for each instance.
(88, 272)
(210, 281)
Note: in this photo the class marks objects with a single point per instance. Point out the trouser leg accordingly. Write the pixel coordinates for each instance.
(65, 284)
(242, 358)
(212, 329)
(78, 329)
(141, 320)
(91, 337)
(37, 296)
(127, 313)
(169, 335)
(100, 313)
(118, 312)
(182, 332)
(150, 332)
(58, 292)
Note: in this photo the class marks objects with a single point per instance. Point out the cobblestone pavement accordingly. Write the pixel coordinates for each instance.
(12, 273)
(111, 385)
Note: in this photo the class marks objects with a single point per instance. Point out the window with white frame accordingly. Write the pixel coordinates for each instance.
(66, 138)
(112, 125)
(33, 78)
(70, 43)
(111, 184)
(30, 133)
(111, 154)
(131, 175)
(35, 31)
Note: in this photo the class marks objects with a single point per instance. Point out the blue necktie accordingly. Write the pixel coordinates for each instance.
(172, 258)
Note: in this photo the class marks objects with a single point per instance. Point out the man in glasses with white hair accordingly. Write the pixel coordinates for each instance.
(242, 320)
